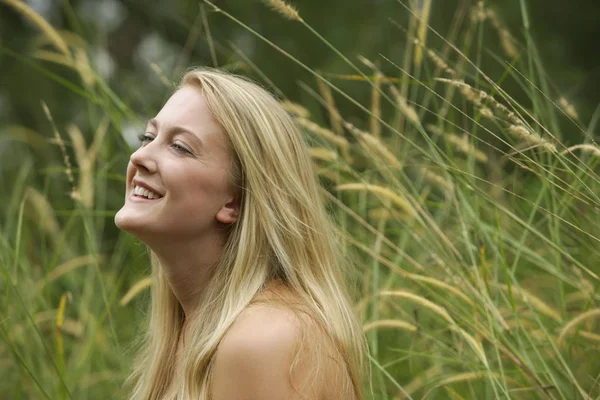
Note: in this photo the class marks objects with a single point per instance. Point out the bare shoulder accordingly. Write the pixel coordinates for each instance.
(254, 358)
(272, 352)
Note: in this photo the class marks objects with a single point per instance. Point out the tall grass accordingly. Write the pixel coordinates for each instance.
(473, 224)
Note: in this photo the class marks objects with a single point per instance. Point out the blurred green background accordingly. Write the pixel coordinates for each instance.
(124, 37)
(65, 258)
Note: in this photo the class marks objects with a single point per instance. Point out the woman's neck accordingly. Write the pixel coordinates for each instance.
(188, 266)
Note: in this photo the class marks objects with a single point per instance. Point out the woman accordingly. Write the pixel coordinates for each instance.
(248, 299)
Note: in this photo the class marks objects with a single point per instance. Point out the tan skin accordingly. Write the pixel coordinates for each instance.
(184, 159)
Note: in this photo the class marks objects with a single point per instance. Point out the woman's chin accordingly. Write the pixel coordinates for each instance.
(128, 223)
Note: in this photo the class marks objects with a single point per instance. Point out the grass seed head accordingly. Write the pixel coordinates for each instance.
(58, 140)
(328, 135)
(323, 154)
(437, 180)
(295, 109)
(568, 108)
(284, 9)
(520, 131)
(487, 113)
(589, 148)
(52, 34)
(408, 110)
(46, 216)
(389, 323)
(437, 60)
(506, 39)
(379, 149)
(460, 143)
(381, 191)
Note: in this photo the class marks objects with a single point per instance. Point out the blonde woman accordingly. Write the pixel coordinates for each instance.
(248, 294)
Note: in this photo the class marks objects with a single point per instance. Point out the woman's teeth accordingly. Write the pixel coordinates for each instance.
(140, 191)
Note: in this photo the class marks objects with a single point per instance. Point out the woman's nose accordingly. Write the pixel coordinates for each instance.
(144, 159)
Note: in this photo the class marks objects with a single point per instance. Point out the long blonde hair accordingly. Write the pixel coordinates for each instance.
(283, 234)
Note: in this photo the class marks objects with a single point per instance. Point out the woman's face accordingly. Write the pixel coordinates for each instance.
(184, 164)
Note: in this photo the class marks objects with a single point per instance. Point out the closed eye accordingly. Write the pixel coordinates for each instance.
(180, 149)
(144, 137)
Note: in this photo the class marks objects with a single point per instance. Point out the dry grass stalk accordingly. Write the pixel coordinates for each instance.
(368, 63)
(595, 150)
(442, 313)
(331, 137)
(376, 106)
(85, 187)
(53, 56)
(58, 140)
(474, 343)
(515, 125)
(590, 335)
(334, 116)
(437, 180)
(478, 97)
(520, 131)
(479, 14)
(328, 173)
(437, 60)
(487, 113)
(576, 321)
(295, 109)
(384, 192)
(26, 135)
(507, 41)
(568, 108)
(161, 75)
(71, 39)
(421, 301)
(374, 145)
(72, 327)
(86, 159)
(135, 290)
(442, 285)
(80, 63)
(382, 213)
(423, 12)
(284, 9)
(409, 111)
(537, 303)
(46, 217)
(419, 381)
(99, 136)
(361, 78)
(375, 127)
(323, 154)
(519, 321)
(65, 267)
(579, 297)
(389, 323)
(469, 376)
(460, 143)
(53, 36)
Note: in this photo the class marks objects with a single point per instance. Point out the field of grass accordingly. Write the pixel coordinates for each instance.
(471, 211)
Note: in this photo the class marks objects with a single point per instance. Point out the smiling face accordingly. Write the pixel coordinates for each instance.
(184, 161)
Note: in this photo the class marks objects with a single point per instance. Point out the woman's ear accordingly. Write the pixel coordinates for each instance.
(230, 212)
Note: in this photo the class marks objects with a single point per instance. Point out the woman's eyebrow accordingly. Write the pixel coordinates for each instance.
(178, 129)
